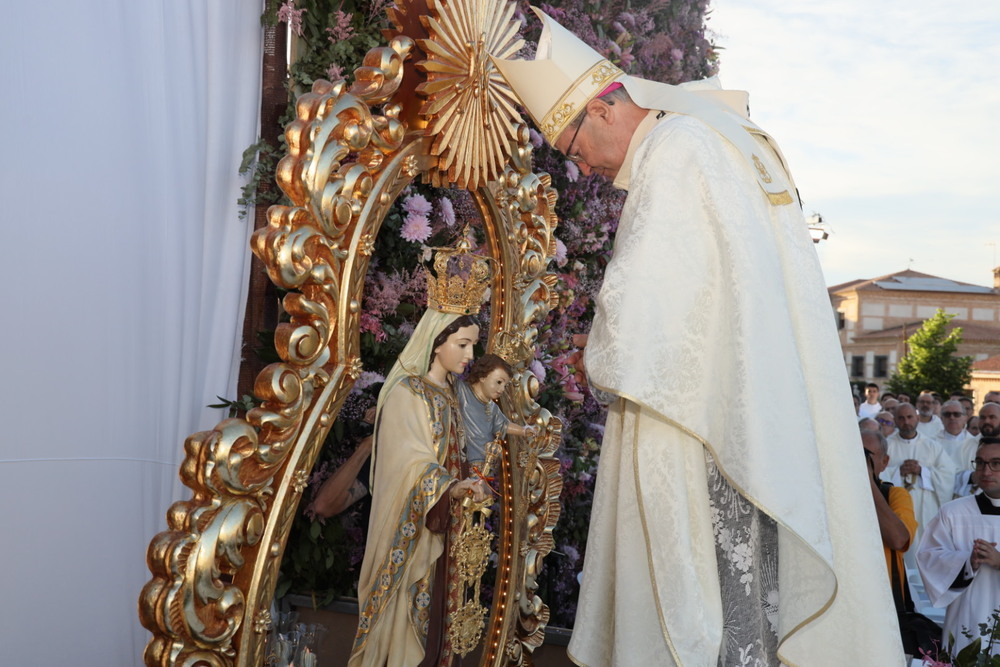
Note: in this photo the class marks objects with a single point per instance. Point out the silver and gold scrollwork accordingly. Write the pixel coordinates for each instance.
(351, 151)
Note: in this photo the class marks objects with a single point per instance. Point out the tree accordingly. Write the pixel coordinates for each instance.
(931, 363)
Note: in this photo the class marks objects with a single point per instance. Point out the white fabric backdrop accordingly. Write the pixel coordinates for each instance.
(124, 278)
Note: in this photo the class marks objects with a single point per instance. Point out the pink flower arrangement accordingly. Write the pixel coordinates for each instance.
(293, 17)
(342, 29)
(334, 72)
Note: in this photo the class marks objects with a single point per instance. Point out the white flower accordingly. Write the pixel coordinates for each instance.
(572, 171)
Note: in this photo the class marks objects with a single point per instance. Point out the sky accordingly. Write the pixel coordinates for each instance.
(888, 113)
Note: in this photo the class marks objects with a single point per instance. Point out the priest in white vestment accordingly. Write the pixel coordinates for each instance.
(959, 444)
(713, 310)
(958, 557)
(928, 423)
(918, 464)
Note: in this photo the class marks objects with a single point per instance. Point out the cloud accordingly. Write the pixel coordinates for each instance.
(888, 117)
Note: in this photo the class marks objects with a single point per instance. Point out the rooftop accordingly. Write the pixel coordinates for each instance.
(989, 364)
(911, 281)
(970, 332)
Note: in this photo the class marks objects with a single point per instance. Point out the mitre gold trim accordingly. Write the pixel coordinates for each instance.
(590, 84)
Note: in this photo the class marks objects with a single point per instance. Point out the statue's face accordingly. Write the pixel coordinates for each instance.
(493, 384)
(456, 352)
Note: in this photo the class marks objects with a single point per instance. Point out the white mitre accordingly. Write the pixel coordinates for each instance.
(566, 74)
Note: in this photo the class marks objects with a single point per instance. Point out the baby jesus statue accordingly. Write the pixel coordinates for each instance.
(485, 424)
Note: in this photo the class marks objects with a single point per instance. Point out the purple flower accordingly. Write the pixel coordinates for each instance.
(416, 229)
(417, 205)
(537, 369)
(571, 553)
(627, 58)
(446, 211)
(367, 379)
(536, 138)
(560, 252)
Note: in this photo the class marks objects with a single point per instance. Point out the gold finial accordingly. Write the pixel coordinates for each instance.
(462, 291)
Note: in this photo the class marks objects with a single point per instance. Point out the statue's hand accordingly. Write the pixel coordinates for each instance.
(471, 487)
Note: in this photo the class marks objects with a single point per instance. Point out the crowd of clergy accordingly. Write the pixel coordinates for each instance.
(946, 456)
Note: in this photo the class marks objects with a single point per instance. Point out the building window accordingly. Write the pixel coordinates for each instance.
(857, 366)
(841, 320)
(881, 366)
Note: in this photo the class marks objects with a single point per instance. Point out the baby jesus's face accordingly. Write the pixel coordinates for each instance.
(493, 384)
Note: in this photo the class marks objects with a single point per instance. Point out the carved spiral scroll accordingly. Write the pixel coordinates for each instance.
(214, 569)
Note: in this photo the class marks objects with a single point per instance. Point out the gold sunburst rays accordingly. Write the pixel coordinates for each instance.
(470, 108)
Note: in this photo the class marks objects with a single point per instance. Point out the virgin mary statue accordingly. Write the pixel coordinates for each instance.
(406, 590)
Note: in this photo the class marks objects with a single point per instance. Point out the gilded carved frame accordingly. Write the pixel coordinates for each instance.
(448, 117)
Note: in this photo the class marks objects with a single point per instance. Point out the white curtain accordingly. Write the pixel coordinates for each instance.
(124, 271)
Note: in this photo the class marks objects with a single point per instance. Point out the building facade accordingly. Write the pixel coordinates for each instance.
(985, 378)
(875, 318)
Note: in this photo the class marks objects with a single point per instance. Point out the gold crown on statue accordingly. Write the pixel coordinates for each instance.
(511, 347)
(458, 289)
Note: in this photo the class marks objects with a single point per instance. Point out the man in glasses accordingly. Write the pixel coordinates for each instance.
(958, 557)
(929, 423)
(716, 537)
(886, 423)
(965, 478)
(957, 442)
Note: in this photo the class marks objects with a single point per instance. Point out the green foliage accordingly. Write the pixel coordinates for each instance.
(317, 559)
(336, 35)
(259, 163)
(975, 654)
(236, 406)
(932, 362)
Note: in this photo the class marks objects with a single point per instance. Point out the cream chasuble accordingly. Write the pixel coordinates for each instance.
(712, 312)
